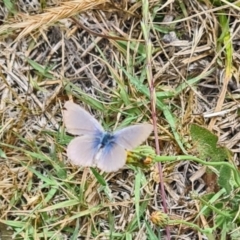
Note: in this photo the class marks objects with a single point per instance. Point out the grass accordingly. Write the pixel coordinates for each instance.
(168, 64)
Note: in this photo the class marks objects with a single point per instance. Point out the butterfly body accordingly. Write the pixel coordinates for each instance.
(96, 147)
(104, 142)
(108, 140)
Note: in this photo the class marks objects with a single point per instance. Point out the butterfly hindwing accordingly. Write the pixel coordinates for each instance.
(82, 150)
(111, 158)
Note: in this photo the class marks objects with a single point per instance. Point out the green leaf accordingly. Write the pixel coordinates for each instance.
(224, 178)
(60, 205)
(50, 181)
(10, 6)
(2, 154)
(41, 69)
(91, 101)
(133, 225)
(151, 234)
(206, 144)
(191, 82)
(17, 224)
(99, 177)
(137, 190)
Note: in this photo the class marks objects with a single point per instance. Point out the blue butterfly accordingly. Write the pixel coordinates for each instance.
(96, 147)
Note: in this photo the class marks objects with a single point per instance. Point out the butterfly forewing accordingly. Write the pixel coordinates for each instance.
(82, 150)
(78, 121)
(132, 136)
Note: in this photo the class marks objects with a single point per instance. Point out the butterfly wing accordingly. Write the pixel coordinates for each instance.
(78, 121)
(111, 158)
(132, 136)
(82, 150)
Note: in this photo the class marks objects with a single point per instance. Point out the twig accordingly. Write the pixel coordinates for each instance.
(146, 30)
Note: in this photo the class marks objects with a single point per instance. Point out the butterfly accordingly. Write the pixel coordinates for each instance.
(96, 147)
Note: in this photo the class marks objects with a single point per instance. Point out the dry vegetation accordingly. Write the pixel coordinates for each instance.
(96, 53)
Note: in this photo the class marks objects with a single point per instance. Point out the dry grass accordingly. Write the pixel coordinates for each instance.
(46, 58)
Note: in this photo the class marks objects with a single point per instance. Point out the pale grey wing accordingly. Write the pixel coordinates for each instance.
(132, 136)
(78, 121)
(81, 150)
(111, 160)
